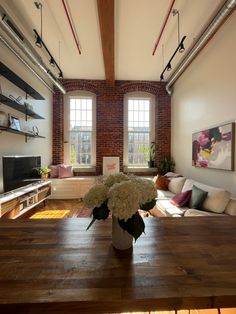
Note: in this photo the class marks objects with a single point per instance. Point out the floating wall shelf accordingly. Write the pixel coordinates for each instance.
(27, 134)
(19, 107)
(15, 79)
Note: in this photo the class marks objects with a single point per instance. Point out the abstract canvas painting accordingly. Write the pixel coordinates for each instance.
(214, 148)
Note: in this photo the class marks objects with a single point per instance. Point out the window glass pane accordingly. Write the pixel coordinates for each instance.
(138, 130)
(130, 104)
(136, 106)
(89, 104)
(72, 104)
(81, 131)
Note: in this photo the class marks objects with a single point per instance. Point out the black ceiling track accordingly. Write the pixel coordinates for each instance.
(15, 79)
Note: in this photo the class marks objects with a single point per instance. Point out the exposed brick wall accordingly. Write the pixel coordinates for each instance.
(110, 117)
(58, 128)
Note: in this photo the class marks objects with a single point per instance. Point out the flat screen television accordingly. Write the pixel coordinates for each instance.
(19, 171)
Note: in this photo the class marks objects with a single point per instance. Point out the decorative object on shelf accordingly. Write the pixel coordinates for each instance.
(43, 172)
(149, 153)
(14, 123)
(166, 165)
(18, 99)
(35, 130)
(3, 119)
(213, 148)
(122, 195)
(28, 106)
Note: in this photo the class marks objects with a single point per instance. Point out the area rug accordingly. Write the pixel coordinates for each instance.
(50, 214)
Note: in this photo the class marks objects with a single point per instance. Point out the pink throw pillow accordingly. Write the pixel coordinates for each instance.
(54, 171)
(181, 198)
(65, 171)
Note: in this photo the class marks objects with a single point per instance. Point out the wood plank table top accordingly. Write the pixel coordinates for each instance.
(56, 266)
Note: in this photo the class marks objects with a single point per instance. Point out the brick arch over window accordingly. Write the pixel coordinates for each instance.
(110, 113)
(85, 85)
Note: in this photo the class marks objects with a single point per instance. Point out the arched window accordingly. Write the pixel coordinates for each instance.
(139, 127)
(80, 129)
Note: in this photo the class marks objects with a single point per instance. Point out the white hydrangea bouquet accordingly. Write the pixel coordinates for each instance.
(122, 195)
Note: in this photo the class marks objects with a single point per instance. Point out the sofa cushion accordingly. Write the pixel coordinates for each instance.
(197, 198)
(176, 185)
(217, 199)
(181, 199)
(170, 209)
(196, 212)
(231, 207)
(172, 175)
(161, 194)
(162, 183)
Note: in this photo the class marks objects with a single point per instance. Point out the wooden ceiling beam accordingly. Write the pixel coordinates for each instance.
(106, 21)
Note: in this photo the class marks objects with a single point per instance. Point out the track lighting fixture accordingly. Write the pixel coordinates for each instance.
(60, 75)
(168, 66)
(52, 62)
(51, 59)
(38, 42)
(181, 48)
(39, 39)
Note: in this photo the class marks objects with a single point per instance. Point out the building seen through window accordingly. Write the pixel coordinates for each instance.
(138, 130)
(81, 127)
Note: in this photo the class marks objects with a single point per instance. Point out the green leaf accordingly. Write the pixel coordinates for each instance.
(134, 225)
(149, 205)
(101, 212)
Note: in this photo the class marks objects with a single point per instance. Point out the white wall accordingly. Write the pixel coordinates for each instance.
(13, 144)
(205, 96)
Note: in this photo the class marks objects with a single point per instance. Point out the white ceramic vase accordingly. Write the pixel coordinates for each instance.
(121, 239)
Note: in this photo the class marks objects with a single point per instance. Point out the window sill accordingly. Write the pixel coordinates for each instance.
(84, 169)
(139, 169)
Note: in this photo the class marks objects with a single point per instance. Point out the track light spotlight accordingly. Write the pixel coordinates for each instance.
(60, 75)
(169, 67)
(38, 42)
(52, 62)
(162, 77)
(181, 48)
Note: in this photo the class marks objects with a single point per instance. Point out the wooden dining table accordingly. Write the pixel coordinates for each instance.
(56, 266)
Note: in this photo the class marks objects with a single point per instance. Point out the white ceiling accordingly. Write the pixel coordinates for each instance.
(137, 26)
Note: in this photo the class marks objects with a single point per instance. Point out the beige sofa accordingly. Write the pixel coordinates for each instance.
(217, 203)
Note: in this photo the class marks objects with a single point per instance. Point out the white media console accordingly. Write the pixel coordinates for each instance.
(17, 202)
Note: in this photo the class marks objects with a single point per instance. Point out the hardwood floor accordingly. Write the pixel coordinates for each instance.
(74, 205)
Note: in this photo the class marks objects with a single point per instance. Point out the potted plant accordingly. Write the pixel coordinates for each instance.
(149, 153)
(43, 172)
(166, 165)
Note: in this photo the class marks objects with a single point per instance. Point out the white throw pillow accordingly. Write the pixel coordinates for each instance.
(217, 199)
(176, 184)
(231, 207)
